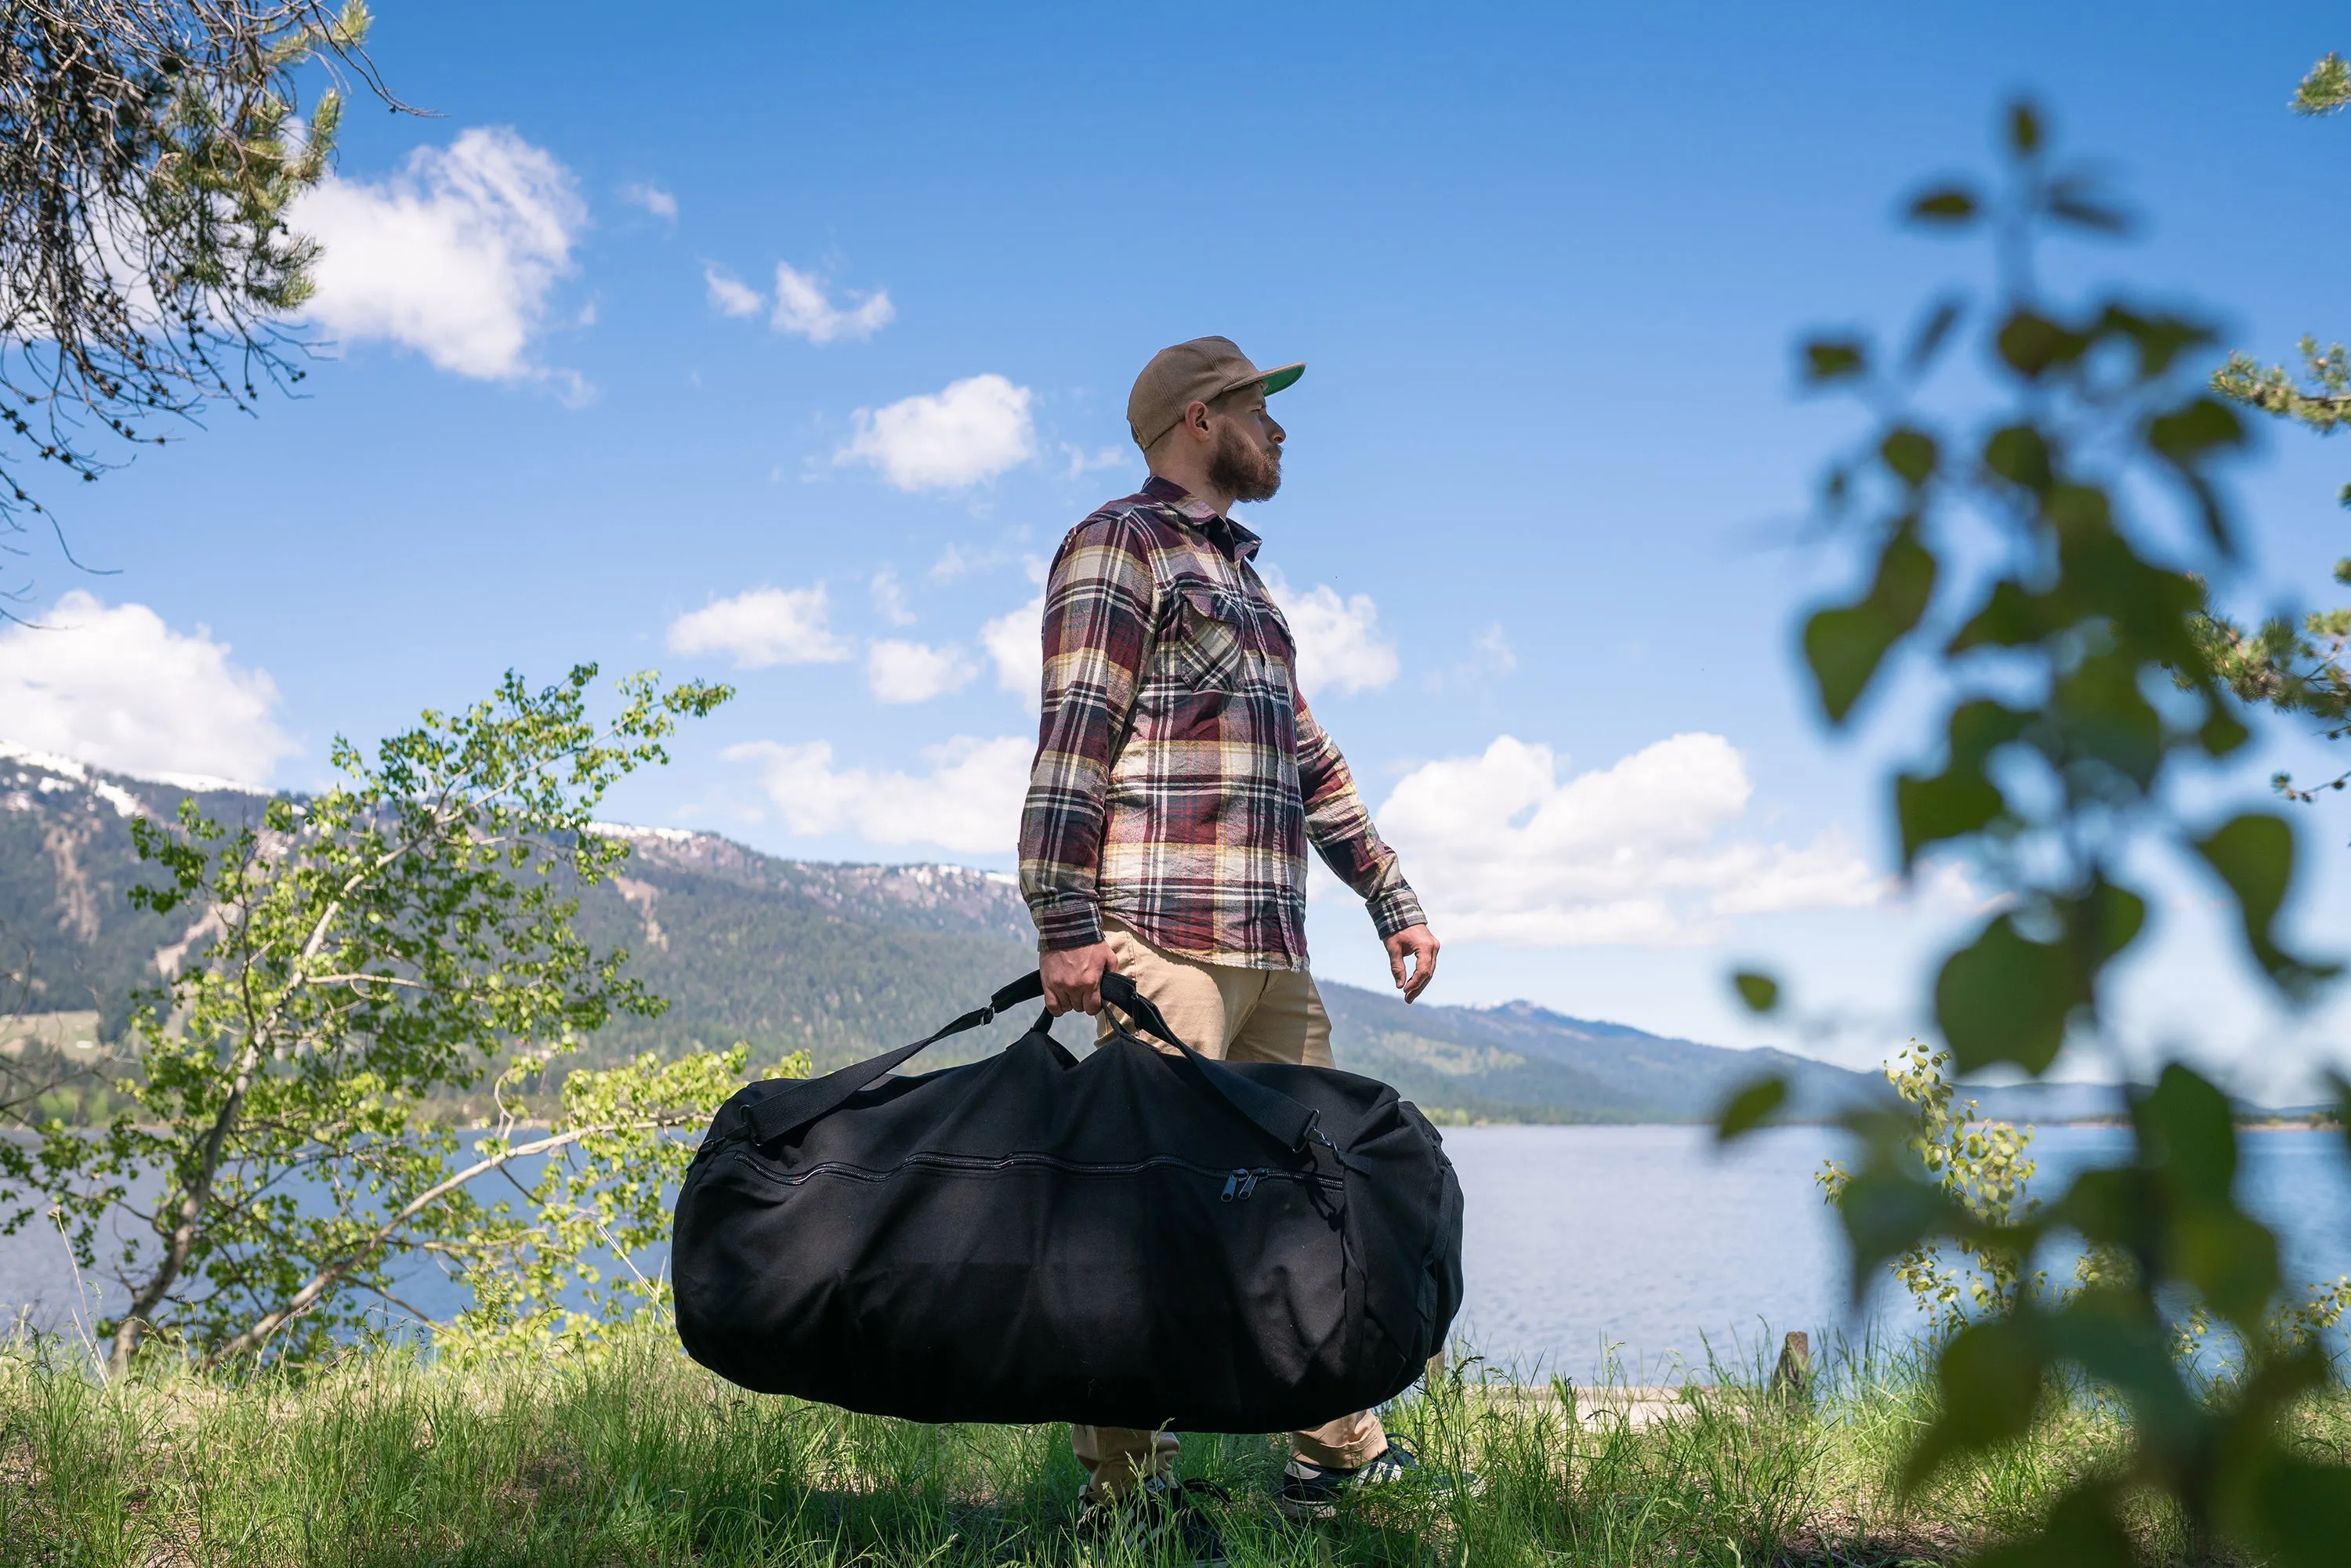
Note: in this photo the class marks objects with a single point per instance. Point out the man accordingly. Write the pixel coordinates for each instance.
(1179, 777)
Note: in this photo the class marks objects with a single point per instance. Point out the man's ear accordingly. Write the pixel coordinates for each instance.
(1195, 419)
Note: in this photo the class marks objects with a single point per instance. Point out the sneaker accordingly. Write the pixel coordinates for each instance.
(1159, 1521)
(1310, 1490)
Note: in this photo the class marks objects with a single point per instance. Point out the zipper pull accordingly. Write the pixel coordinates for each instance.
(1234, 1187)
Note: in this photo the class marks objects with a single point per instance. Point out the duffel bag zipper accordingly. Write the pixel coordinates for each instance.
(1241, 1182)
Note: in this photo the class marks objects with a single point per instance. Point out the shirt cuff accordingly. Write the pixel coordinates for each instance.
(1397, 909)
(1070, 922)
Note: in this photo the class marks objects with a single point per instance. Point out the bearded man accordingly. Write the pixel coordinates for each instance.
(1179, 777)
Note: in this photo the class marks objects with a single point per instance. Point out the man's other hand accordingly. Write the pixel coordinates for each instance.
(1417, 943)
(1073, 977)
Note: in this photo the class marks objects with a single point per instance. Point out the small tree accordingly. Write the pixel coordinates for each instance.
(1982, 1168)
(614, 1159)
(1979, 1165)
(399, 939)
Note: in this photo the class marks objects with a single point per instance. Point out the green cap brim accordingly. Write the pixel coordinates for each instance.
(1275, 380)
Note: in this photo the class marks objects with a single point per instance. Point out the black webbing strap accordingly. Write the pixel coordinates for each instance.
(1276, 1114)
(1120, 992)
(795, 1104)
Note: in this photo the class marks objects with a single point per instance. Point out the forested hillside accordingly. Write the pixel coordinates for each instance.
(70, 939)
(841, 960)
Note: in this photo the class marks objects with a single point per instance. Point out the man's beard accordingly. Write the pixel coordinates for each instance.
(1242, 469)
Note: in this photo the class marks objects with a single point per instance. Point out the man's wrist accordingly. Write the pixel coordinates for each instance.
(1065, 929)
(1397, 909)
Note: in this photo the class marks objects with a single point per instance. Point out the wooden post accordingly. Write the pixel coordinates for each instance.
(1793, 1378)
(1435, 1371)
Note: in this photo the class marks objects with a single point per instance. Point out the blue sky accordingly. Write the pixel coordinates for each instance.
(1545, 264)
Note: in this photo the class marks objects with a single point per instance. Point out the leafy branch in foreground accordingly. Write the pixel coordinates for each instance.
(405, 935)
(149, 152)
(2041, 562)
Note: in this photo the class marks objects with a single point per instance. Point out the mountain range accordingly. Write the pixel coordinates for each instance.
(842, 960)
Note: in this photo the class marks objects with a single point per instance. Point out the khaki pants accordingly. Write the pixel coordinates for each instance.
(1239, 1015)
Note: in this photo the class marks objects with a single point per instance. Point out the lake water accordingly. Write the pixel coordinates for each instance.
(1579, 1239)
(1645, 1240)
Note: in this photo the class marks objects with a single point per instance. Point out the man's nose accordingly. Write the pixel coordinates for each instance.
(1280, 435)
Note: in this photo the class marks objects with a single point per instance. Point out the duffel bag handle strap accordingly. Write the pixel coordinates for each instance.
(1121, 993)
(798, 1104)
(1275, 1114)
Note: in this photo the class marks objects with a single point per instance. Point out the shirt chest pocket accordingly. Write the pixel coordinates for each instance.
(1207, 646)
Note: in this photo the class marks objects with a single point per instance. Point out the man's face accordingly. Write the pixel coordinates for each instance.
(1246, 458)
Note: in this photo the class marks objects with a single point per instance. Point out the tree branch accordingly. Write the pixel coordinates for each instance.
(319, 1284)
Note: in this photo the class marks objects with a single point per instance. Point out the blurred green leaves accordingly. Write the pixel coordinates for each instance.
(2032, 343)
(2018, 454)
(2196, 428)
(1760, 992)
(2005, 998)
(1945, 205)
(1991, 1376)
(2023, 129)
(1845, 644)
(2253, 854)
(1960, 799)
(1747, 1108)
(2082, 1532)
(2025, 559)
(1832, 360)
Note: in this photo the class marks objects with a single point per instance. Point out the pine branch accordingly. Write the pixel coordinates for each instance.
(2326, 88)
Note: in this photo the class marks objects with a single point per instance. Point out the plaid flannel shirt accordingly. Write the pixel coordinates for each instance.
(1179, 775)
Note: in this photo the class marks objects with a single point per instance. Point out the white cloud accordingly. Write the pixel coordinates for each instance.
(802, 309)
(730, 296)
(1943, 883)
(969, 800)
(453, 256)
(897, 671)
(1016, 645)
(957, 561)
(889, 598)
(120, 689)
(1494, 650)
(974, 429)
(652, 198)
(766, 626)
(1082, 463)
(1340, 648)
(1638, 852)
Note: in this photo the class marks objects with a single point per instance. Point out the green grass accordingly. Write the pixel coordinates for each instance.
(638, 1458)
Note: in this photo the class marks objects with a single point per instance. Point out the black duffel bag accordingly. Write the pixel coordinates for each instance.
(1136, 1239)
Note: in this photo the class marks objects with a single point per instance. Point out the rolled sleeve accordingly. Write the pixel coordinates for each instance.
(1396, 909)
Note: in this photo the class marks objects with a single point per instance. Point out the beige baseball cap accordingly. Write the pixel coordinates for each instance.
(1201, 371)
